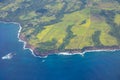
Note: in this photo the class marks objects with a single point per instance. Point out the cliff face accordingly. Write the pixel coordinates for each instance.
(50, 26)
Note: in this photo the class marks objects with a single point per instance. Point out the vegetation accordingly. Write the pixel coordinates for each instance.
(117, 19)
(65, 24)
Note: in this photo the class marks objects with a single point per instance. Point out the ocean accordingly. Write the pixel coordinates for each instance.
(24, 66)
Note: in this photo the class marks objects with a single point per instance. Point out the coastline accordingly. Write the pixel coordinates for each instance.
(19, 39)
(35, 53)
(82, 51)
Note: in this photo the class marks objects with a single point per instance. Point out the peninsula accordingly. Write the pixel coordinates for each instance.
(53, 26)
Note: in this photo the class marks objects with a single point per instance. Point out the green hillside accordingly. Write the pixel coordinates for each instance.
(61, 25)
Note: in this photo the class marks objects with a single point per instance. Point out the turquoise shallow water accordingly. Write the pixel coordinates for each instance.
(24, 66)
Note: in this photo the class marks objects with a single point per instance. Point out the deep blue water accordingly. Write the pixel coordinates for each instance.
(24, 66)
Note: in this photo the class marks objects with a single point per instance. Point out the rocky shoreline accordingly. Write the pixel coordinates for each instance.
(36, 53)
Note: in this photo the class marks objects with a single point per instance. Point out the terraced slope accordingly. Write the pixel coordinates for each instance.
(51, 26)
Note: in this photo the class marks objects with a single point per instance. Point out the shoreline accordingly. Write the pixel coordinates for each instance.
(18, 36)
(81, 52)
